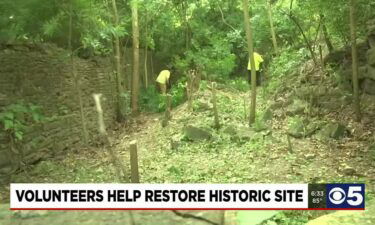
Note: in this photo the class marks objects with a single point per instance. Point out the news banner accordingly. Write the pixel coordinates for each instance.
(187, 196)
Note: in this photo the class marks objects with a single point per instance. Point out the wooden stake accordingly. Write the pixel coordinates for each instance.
(134, 162)
(167, 114)
(216, 114)
(290, 146)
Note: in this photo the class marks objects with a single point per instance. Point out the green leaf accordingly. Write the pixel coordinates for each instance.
(19, 135)
(8, 124)
(9, 115)
(36, 117)
(254, 217)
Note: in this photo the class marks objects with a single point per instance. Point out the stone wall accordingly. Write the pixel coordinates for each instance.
(366, 61)
(40, 74)
(368, 83)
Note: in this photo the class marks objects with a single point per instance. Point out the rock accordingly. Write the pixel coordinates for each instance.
(196, 134)
(164, 122)
(349, 171)
(29, 214)
(231, 130)
(267, 115)
(174, 144)
(371, 57)
(333, 130)
(259, 126)
(370, 73)
(371, 39)
(335, 57)
(239, 133)
(244, 134)
(201, 106)
(371, 149)
(310, 156)
(368, 86)
(348, 73)
(346, 218)
(298, 107)
(315, 91)
(296, 128)
(299, 128)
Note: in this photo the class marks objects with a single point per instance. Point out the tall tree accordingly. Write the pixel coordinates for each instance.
(117, 56)
(327, 39)
(135, 77)
(145, 79)
(249, 38)
(354, 59)
(75, 75)
(273, 34)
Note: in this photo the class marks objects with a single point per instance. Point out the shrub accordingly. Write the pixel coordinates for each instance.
(152, 101)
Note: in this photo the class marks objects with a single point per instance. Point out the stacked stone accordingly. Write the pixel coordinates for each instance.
(368, 84)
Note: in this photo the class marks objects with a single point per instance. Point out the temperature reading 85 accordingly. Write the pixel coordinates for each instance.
(317, 200)
(353, 197)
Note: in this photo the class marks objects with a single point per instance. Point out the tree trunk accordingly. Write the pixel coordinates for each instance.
(76, 78)
(354, 59)
(273, 34)
(135, 77)
(308, 44)
(119, 78)
(146, 53)
(327, 39)
(326, 35)
(249, 38)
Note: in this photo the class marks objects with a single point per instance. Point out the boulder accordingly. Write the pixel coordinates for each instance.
(260, 126)
(370, 72)
(368, 86)
(239, 133)
(349, 171)
(231, 130)
(296, 128)
(347, 217)
(371, 149)
(201, 106)
(267, 115)
(362, 73)
(196, 134)
(244, 134)
(333, 130)
(371, 40)
(298, 107)
(299, 128)
(371, 57)
(310, 156)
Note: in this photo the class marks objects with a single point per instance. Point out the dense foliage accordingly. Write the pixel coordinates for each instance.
(205, 35)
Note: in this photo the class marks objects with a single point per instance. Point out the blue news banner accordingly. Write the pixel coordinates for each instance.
(336, 196)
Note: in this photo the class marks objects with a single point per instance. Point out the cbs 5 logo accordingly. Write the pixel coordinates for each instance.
(353, 196)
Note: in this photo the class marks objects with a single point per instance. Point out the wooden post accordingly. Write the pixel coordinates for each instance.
(134, 162)
(190, 88)
(168, 109)
(216, 114)
(167, 114)
(290, 146)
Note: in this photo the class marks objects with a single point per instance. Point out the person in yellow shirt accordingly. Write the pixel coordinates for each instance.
(258, 61)
(163, 80)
